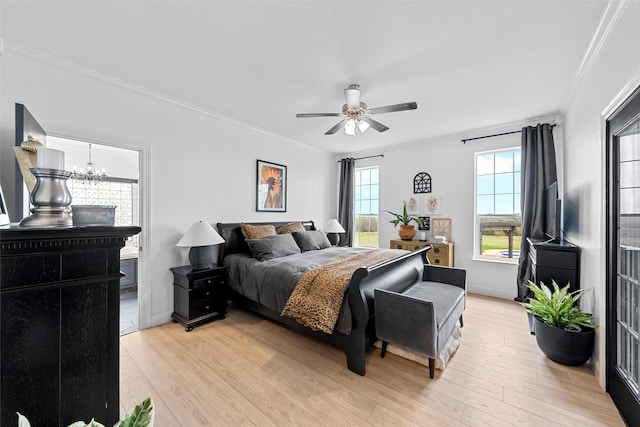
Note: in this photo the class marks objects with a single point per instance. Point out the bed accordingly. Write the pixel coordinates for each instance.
(355, 329)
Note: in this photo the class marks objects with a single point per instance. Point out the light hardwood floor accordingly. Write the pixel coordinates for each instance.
(246, 370)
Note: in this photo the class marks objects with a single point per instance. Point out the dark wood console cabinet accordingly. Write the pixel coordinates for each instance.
(59, 324)
(559, 261)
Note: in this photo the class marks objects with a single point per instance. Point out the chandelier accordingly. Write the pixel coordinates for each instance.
(92, 175)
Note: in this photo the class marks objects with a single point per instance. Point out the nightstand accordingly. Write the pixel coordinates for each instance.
(199, 295)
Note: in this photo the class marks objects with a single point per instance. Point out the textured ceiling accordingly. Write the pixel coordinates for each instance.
(468, 64)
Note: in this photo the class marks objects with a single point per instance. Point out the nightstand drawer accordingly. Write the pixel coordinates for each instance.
(203, 308)
(218, 295)
(208, 282)
(438, 260)
(408, 245)
(202, 295)
(441, 251)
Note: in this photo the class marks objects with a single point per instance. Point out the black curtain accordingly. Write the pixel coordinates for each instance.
(538, 171)
(345, 202)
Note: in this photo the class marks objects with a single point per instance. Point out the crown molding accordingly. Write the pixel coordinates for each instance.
(17, 48)
(608, 22)
(622, 96)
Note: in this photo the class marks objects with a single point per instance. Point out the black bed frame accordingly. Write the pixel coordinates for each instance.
(397, 273)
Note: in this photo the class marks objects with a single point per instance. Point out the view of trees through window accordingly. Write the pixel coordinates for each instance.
(367, 202)
(498, 216)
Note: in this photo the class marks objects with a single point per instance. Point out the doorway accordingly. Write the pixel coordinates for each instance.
(118, 187)
(623, 258)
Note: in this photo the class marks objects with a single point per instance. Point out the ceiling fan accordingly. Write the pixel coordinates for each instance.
(356, 115)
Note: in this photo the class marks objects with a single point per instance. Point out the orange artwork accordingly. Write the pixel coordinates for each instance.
(271, 189)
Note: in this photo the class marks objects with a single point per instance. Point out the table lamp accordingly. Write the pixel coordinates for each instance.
(332, 228)
(200, 237)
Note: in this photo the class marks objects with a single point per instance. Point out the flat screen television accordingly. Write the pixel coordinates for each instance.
(553, 212)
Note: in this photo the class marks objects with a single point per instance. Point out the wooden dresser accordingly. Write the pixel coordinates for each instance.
(59, 330)
(441, 254)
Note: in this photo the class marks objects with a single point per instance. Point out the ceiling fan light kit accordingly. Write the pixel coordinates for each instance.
(356, 115)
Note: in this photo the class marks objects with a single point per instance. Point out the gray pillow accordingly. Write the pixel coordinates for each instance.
(273, 246)
(311, 240)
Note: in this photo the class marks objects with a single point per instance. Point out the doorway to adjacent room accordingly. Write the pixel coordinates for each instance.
(118, 187)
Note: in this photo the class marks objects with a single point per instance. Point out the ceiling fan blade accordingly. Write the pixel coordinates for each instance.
(395, 107)
(304, 115)
(337, 127)
(374, 124)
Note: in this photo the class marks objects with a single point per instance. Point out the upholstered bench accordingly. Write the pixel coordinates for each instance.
(422, 317)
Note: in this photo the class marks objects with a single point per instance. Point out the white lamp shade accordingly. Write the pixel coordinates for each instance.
(333, 226)
(200, 234)
(350, 127)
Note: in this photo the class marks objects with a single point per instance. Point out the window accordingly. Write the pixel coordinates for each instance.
(367, 202)
(498, 222)
(120, 192)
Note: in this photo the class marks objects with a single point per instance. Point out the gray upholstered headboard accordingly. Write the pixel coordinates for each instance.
(234, 239)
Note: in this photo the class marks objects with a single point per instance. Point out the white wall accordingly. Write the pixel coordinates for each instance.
(198, 166)
(616, 64)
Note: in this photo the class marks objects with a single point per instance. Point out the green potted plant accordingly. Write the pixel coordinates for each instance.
(142, 415)
(406, 230)
(564, 332)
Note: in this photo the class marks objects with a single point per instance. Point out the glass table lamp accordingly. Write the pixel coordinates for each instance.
(333, 229)
(200, 237)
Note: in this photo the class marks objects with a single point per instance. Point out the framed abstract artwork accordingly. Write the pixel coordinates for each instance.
(441, 227)
(271, 189)
(431, 204)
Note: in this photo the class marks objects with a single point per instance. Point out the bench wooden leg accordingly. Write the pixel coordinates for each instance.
(383, 351)
(432, 367)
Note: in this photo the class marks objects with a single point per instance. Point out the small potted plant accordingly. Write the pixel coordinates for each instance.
(564, 332)
(406, 230)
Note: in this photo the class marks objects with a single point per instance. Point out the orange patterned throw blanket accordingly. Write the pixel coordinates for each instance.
(316, 300)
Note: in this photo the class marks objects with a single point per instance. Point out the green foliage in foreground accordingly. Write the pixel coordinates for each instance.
(557, 308)
(141, 416)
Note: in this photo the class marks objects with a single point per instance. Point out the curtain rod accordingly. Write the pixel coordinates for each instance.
(366, 157)
(464, 141)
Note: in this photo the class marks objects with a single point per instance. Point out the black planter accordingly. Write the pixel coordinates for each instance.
(565, 347)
